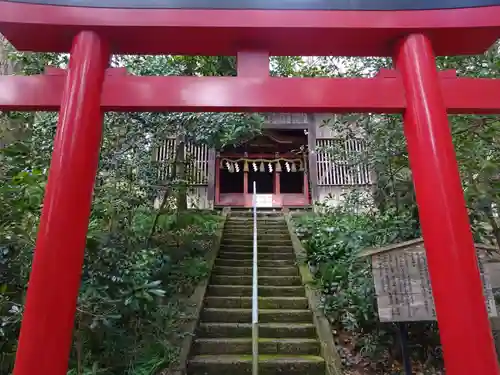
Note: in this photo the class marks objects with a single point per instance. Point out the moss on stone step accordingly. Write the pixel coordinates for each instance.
(263, 271)
(242, 346)
(265, 315)
(260, 263)
(263, 235)
(263, 280)
(268, 365)
(248, 242)
(262, 256)
(271, 357)
(264, 302)
(282, 330)
(248, 248)
(248, 232)
(264, 291)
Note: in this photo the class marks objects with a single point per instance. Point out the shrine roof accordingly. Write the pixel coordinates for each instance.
(280, 27)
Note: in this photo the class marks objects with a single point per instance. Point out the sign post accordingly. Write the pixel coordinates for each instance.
(402, 284)
(405, 350)
(403, 288)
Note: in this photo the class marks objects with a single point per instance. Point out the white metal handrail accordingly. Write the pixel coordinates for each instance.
(255, 290)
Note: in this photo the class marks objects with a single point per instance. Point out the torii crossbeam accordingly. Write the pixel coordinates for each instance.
(413, 32)
(122, 93)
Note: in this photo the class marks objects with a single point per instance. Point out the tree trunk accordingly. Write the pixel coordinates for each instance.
(168, 189)
(495, 228)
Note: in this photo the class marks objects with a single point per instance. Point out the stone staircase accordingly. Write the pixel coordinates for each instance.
(288, 342)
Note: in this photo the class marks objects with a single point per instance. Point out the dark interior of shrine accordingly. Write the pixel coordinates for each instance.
(264, 181)
(291, 182)
(230, 182)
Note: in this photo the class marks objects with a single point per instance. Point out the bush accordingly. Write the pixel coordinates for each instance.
(132, 303)
(333, 239)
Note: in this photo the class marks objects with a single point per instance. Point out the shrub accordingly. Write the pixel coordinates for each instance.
(333, 239)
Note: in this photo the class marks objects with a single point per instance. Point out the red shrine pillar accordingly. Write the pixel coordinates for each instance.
(46, 329)
(247, 198)
(457, 288)
(277, 183)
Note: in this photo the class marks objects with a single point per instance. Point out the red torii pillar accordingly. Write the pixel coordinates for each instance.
(47, 326)
(451, 256)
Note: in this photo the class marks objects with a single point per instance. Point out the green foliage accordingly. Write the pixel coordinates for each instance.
(132, 303)
(333, 240)
(213, 129)
(129, 300)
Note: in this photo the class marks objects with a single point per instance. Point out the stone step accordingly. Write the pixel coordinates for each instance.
(261, 222)
(260, 213)
(259, 219)
(261, 256)
(260, 248)
(287, 244)
(266, 330)
(263, 271)
(264, 302)
(250, 216)
(249, 242)
(215, 315)
(263, 280)
(249, 263)
(261, 227)
(260, 236)
(264, 291)
(248, 233)
(268, 365)
(261, 230)
(266, 346)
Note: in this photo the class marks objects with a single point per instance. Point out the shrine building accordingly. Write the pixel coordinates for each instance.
(289, 161)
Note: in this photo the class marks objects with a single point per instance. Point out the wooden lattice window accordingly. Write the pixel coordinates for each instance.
(340, 162)
(165, 157)
(198, 164)
(196, 161)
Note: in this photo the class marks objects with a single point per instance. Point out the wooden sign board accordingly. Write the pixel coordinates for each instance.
(402, 284)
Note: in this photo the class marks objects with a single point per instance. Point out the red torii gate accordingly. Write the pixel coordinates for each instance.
(92, 29)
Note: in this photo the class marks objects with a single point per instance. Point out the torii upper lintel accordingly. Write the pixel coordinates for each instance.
(226, 27)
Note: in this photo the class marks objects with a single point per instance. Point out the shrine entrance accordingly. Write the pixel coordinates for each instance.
(264, 178)
(276, 161)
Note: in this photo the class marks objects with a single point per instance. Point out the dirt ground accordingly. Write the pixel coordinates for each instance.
(355, 364)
